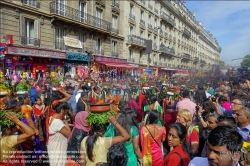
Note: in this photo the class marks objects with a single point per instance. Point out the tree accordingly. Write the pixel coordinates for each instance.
(246, 61)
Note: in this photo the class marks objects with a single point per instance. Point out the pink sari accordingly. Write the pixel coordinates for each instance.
(152, 152)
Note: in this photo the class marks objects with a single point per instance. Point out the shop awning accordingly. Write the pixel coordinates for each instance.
(122, 65)
(167, 69)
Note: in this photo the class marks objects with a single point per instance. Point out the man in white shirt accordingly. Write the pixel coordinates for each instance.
(224, 148)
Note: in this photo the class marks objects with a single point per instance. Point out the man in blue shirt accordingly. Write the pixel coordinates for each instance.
(72, 100)
(242, 119)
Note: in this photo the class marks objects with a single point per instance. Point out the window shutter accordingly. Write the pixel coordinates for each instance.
(24, 33)
(36, 28)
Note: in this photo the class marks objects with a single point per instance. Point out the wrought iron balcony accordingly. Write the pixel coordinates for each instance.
(33, 3)
(167, 50)
(131, 16)
(187, 32)
(186, 56)
(202, 62)
(115, 4)
(114, 30)
(100, 2)
(168, 19)
(99, 51)
(150, 6)
(30, 41)
(77, 15)
(142, 22)
(156, 11)
(195, 59)
(114, 54)
(137, 40)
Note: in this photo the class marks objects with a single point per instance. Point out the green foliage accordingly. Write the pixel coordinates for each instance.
(22, 86)
(4, 84)
(6, 122)
(246, 61)
(99, 118)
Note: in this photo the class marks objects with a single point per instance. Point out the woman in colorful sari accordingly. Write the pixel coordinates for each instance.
(80, 131)
(96, 95)
(9, 150)
(127, 120)
(29, 119)
(59, 131)
(151, 135)
(154, 105)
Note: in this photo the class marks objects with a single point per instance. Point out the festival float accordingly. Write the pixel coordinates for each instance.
(4, 86)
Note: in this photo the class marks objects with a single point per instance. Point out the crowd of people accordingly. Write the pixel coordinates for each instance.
(168, 123)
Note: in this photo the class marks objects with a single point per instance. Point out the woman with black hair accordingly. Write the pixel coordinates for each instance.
(82, 103)
(94, 148)
(127, 120)
(117, 155)
(200, 95)
(58, 132)
(181, 153)
(154, 105)
(151, 135)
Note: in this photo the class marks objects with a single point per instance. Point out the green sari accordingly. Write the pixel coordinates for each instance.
(132, 158)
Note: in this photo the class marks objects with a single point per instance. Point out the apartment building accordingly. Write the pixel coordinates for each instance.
(117, 29)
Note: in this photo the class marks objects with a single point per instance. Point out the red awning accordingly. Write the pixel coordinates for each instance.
(123, 65)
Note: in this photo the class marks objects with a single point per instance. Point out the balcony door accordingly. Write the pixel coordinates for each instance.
(83, 11)
(99, 18)
(60, 7)
(59, 43)
(114, 22)
(99, 46)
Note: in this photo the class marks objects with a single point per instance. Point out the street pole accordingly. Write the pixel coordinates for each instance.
(148, 60)
(89, 60)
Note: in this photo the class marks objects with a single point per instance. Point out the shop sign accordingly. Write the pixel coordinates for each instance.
(108, 59)
(149, 71)
(76, 56)
(35, 52)
(72, 42)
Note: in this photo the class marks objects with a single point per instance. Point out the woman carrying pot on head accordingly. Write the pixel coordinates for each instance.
(94, 148)
(9, 142)
(133, 104)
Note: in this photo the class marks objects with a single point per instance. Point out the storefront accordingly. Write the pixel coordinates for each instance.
(166, 71)
(76, 63)
(111, 67)
(142, 67)
(35, 61)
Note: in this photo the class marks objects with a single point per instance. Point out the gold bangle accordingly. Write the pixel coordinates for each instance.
(115, 123)
(19, 123)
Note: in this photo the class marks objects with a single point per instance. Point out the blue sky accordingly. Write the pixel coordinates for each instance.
(229, 22)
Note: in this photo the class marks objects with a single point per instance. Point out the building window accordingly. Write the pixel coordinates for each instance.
(142, 15)
(99, 17)
(155, 23)
(60, 7)
(30, 29)
(131, 9)
(98, 45)
(141, 55)
(131, 31)
(149, 20)
(81, 38)
(142, 34)
(114, 22)
(59, 43)
(149, 36)
(114, 46)
(83, 11)
(131, 54)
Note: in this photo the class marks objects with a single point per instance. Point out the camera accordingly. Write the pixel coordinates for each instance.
(197, 108)
(214, 99)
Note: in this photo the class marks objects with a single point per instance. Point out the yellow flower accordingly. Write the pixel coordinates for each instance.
(245, 147)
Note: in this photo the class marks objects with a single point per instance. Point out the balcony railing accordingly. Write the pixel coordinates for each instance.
(33, 3)
(131, 16)
(77, 15)
(196, 59)
(137, 40)
(99, 51)
(202, 62)
(168, 18)
(114, 54)
(115, 4)
(187, 32)
(150, 6)
(156, 11)
(142, 22)
(150, 26)
(161, 31)
(167, 50)
(114, 30)
(30, 41)
(186, 56)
